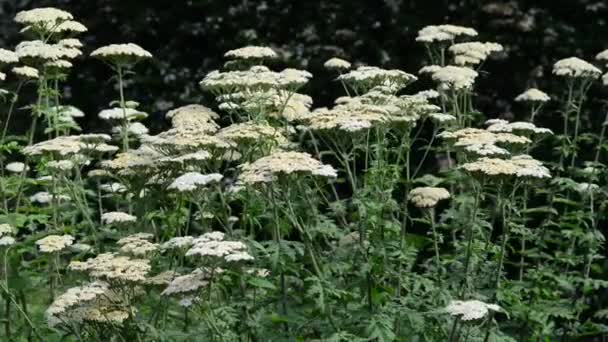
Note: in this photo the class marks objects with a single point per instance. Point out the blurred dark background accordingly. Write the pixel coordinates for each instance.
(189, 37)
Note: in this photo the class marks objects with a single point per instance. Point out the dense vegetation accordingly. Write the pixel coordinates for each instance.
(399, 211)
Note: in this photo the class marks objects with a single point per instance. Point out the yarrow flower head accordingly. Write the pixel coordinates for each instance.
(16, 167)
(45, 16)
(267, 169)
(455, 77)
(191, 181)
(26, 72)
(65, 308)
(533, 95)
(54, 243)
(470, 310)
(252, 52)
(443, 33)
(365, 78)
(428, 197)
(473, 53)
(117, 217)
(121, 54)
(112, 267)
(213, 245)
(336, 64)
(8, 57)
(576, 68)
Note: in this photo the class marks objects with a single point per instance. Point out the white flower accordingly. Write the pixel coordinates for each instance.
(266, 169)
(471, 309)
(7, 241)
(427, 197)
(575, 67)
(473, 53)
(16, 167)
(40, 50)
(443, 33)
(70, 42)
(179, 242)
(6, 229)
(533, 95)
(336, 64)
(26, 72)
(121, 53)
(115, 187)
(455, 77)
(44, 197)
(193, 180)
(441, 118)
(586, 188)
(60, 165)
(42, 15)
(252, 52)
(117, 217)
(54, 243)
(122, 114)
(8, 57)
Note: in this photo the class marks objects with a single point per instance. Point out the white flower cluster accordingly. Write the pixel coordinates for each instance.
(44, 197)
(248, 132)
(336, 64)
(112, 267)
(54, 243)
(178, 242)
(64, 308)
(192, 181)
(72, 144)
(252, 52)
(118, 113)
(137, 244)
(43, 15)
(533, 95)
(6, 235)
(39, 50)
(473, 53)
(189, 283)
(117, 217)
(576, 68)
(518, 126)
(483, 142)
(443, 33)
(428, 197)
(257, 77)
(26, 72)
(268, 168)
(8, 57)
(16, 167)
(367, 77)
(470, 309)
(121, 53)
(522, 166)
(214, 245)
(454, 77)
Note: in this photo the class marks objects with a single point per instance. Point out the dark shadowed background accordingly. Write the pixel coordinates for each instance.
(188, 38)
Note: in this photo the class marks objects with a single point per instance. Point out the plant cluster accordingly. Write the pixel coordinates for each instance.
(273, 220)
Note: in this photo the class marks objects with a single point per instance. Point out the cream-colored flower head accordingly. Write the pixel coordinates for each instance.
(54, 243)
(443, 33)
(188, 283)
(71, 43)
(112, 267)
(367, 77)
(16, 167)
(121, 54)
(473, 53)
(576, 68)
(178, 242)
(8, 57)
(336, 64)
(470, 310)
(213, 245)
(122, 114)
(72, 144)
(192, 181)
(533, 95)
(522, 166)
(255, 78)
(428, 197)
(112, 217)
(267, 169)
(251, 132)
(26, 72)
(455, 77)
(41, 51)
(252, 52)
(44, 197)
(6, 229)
(64, 308)
(442, 117)
(42, 16)
(522, 127)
